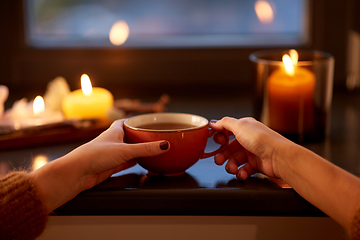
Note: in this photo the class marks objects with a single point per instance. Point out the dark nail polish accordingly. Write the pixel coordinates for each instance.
(213, 121)
(164, 145)
(238, 175)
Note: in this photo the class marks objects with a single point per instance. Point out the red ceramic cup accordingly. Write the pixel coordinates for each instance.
(186, 133)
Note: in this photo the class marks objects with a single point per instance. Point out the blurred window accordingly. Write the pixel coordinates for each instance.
(165, 23)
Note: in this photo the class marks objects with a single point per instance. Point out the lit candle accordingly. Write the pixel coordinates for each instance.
(40, 115)
(290, 94)
(87, 102)
(26, 114)
(38, 106)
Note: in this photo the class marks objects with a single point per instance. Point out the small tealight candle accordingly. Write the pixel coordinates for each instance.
(38, 106)
(24, 115)
(87, 102)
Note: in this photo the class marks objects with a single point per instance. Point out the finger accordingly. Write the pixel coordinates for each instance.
(235, 161)
(226, 123)
(245, 171)
(147, 149)
(220, 159)
(219, 138)
(218, 128)
(118, 126)
(114, 133)
(211, 132)
(237, 126)
(232, 148)
(232, 166)
(235, 151)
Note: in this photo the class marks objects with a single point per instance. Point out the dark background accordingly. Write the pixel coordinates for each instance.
(27, 70)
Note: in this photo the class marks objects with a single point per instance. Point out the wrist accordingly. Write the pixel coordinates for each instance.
(40, 182)
(287, 156)
(56, 182)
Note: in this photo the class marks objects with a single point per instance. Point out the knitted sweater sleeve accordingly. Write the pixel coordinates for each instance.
(22, 214)
(355, 226)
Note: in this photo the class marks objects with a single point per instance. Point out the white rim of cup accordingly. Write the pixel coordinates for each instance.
(202, 121)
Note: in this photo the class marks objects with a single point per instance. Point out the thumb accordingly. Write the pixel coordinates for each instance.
(148, 149)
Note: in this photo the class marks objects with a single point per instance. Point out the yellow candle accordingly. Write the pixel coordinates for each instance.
(87, 102)
(290, 94)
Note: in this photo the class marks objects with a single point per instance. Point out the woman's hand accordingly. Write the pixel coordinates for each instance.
(254, 149)
(108, 154)
(62, 179)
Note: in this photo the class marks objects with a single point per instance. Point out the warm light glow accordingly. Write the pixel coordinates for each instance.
(264, 11)
(39, 161)
(119, 33)
(294, 56)
(86, 84)
(38, 105)
(289, 68)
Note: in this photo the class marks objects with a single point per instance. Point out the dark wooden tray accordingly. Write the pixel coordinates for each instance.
(53, 133)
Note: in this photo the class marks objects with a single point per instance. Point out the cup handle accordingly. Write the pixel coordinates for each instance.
(220, 149)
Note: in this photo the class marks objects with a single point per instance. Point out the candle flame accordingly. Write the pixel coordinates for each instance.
(289, 68)
(294, 56)
(86, 85)
(119, 33)
(38, 105)
(264, 11)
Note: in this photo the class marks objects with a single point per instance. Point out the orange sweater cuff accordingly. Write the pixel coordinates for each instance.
(22, 214)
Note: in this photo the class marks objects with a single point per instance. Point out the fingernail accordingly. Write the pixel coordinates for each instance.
(164, 145)
(213, 121)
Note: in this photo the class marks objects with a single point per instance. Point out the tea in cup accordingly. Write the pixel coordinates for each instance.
(186, 133)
